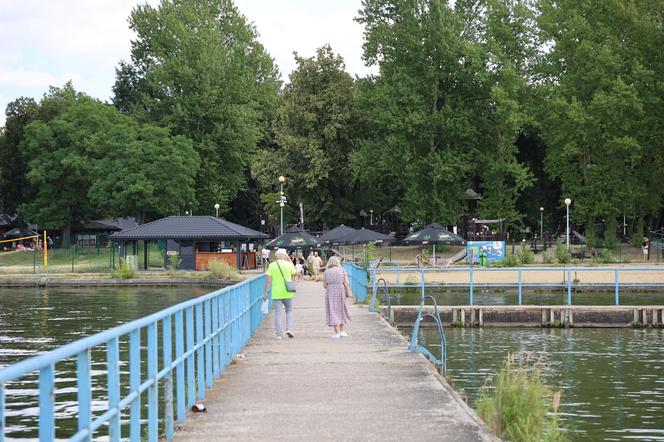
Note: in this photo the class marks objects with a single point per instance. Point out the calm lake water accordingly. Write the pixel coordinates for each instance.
(612, 379)
(33, 321)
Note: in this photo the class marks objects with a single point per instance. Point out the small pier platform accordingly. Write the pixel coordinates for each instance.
(363, 387)
(536, 315)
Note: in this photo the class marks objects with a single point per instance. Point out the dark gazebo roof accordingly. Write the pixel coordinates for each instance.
(189, 227)
(111, 224)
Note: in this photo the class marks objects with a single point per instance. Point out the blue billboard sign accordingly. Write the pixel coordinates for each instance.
(494, 250)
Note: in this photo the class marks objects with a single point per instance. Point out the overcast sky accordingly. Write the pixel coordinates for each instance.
(46, 43)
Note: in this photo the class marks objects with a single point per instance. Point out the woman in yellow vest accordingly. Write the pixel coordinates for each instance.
(280, 271)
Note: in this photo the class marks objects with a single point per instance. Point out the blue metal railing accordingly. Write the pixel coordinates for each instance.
(441, 362)
(519, 285)
(358, 280)
(198, 339)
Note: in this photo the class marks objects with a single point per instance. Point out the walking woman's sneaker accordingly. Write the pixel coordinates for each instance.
(290, 334)
(335, 336)
(343, 334)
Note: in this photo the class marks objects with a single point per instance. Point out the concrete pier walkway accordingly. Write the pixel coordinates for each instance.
(364, 387)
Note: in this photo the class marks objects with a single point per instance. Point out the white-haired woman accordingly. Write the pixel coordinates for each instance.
(337, 289)
(280, 271)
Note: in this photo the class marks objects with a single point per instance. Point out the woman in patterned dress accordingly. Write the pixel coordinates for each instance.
(336, 286)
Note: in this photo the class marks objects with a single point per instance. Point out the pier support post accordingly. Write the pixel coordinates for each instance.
(463, 318)
(481, 321)
(473, 315)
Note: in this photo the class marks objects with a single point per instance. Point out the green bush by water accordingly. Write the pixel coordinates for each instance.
(562, 254)
(526, 256)
(520, 407)
(124, 272)
(222, 270)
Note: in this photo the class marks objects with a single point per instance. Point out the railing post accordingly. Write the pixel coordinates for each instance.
(422, 291)
(84, 393)
(471, 285)
(398, 271)
(208, 344)
(200, 359)
(113, 360)
(134, 384)
(2, 412)
(153, 404)
(167, 343)
(520, 288)
(569, 287)
(191, 384)
(617, 289)
(215, 341)
(179, 370)
(46, 403)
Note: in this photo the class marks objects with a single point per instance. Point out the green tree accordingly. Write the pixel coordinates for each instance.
(87, 159)
(14, 188)
(443, 113)
(602, 88)
(198, 69)
(314, 133)
(145, 172)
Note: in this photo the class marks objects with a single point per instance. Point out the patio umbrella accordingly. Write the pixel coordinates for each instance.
(335, 235)
(433, 234)
(18, 233)
(364, 236)
(294, 238)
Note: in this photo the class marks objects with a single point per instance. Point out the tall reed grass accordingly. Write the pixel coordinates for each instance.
(520, 407)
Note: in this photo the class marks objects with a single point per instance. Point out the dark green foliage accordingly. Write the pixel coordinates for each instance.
(86, 159)
(315, 132)
(198, 69)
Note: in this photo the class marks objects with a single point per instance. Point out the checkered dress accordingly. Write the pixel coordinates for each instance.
(336, 311)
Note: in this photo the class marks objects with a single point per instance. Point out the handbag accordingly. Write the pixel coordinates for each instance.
(290, 285)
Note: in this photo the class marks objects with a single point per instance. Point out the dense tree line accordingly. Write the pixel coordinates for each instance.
(527, 102)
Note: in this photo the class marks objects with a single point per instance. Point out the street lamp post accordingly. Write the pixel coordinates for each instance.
(371, 217)
(542, 227)
(282, 202)
(216, 208)
(567, 203)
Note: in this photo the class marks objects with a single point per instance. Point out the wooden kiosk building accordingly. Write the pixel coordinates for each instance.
(196, 240)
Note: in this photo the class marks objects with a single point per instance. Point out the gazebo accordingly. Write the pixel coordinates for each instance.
(196, 239)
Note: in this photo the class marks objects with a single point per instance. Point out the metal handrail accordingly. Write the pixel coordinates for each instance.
(567, 272)
(199, 338)
(374, 294)
(441, 363)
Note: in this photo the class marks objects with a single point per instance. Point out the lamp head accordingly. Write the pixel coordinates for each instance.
(568, 201)
(216, 206)
(541, 209)
(282, 179)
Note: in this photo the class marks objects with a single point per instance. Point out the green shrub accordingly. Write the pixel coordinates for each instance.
(610, 241)
(603, 256)
(124, 271)
(368, 255)
(222, 270)
(526, 256)
(511, 260)
(174, 263)
(562, 254)
(521, 407)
